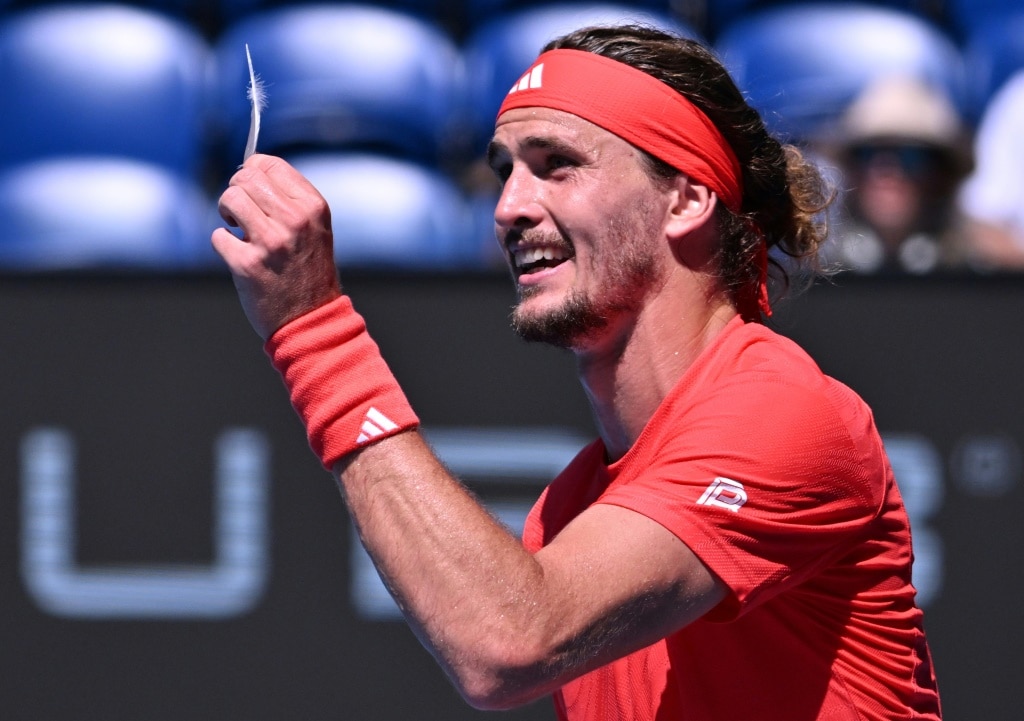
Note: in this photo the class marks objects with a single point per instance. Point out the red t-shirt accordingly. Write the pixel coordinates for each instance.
(775, 476)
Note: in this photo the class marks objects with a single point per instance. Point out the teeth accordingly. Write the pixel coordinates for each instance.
(527, 256)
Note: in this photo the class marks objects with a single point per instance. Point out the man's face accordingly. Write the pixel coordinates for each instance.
(892, 183)
(581, 222)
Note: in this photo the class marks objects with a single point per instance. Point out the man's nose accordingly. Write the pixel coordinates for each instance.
(519, 203)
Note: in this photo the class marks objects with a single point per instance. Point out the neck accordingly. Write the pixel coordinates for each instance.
(627, 373)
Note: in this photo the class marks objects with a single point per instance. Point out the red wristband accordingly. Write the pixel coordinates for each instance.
(339, 383)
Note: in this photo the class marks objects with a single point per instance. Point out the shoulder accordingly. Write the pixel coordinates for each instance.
(764, 403)
(756, 369)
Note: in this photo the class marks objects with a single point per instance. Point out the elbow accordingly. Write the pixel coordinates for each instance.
(489, 693)
(504, 678)
(484, 698)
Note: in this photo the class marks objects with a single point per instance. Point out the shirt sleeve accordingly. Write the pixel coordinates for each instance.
(767, 482)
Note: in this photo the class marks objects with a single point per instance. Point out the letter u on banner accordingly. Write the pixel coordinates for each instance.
(230, 586)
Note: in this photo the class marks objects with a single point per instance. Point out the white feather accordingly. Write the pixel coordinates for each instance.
(257, 102)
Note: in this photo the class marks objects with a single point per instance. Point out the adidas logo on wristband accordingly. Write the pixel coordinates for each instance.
(375, 424)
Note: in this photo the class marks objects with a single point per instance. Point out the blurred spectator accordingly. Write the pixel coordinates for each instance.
(902, 151)
(993, 196)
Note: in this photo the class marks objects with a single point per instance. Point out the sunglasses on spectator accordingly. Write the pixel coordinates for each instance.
(914, 160)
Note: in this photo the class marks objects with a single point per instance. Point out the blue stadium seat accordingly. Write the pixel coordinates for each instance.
(994, 51)
(500, 50)
(344, 76)
(390, 213)
(720, 14)
(802, 65)
(88, 213)
(102, 79)
(479, 12)
(233, 11)
(965, 16)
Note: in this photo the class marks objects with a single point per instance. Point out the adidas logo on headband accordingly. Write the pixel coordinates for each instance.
(532, 79)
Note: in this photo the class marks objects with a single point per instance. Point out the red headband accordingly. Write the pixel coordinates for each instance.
(636, 107)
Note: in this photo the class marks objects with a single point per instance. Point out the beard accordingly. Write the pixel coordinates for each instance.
(578, 318)
(626, 275)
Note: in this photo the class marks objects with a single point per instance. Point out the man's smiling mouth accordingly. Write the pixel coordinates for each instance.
(531, 259)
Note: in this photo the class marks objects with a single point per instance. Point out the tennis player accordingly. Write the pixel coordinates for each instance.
(733, 545)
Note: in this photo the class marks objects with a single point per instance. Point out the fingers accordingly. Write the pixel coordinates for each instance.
(275, 207)
(236, 253)
(275, 177)
(251, 197)
(283, 218)
(283, 266)
(290, 181)
(268, 193)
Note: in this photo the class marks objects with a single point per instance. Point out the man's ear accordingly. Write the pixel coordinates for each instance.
(692, 209)
(690, 227)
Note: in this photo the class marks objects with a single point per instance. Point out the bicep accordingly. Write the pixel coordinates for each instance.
(623, 582)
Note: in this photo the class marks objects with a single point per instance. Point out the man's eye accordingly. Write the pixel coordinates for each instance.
(559, 161)
(502, 171)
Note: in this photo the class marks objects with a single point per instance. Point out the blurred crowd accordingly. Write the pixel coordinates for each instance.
(920, 189)
(915, 106)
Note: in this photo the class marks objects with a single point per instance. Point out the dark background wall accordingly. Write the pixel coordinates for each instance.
(169, 547)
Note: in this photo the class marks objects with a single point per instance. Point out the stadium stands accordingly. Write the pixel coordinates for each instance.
(230, 12)
(720, 14)
(102, 139)
(344, 76)
(479, 12)
(163, 81)
(102, 213)
(801, 65)
(964, 16)
(994, 51)
(390, 213)
(102, 80)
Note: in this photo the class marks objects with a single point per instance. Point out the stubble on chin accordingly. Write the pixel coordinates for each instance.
(563, 327)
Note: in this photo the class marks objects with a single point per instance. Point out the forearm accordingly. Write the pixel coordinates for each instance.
(468, 587)
(470, 591)
(509, 626)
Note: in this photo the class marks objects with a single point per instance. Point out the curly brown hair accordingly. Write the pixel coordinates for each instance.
(784, 195)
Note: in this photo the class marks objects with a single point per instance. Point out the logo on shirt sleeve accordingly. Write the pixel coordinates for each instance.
(725, 493)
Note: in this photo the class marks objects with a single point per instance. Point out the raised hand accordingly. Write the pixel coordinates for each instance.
(283, 266)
